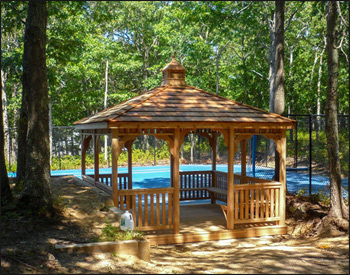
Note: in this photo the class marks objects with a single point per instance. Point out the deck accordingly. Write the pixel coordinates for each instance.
(205, 222)
(256, 207)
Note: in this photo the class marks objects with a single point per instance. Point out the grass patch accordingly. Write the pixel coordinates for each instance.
(112, 233)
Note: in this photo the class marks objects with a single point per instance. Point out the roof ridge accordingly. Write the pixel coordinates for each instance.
(132, 106)
(243, 104)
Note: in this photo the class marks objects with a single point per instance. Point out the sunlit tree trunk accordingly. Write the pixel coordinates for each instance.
(6, 195)
(277, 93)
(36, 193)
(338, 208)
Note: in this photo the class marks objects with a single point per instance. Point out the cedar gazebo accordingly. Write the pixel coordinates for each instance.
(169, 112)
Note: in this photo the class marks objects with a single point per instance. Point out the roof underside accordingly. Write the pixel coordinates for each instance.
(183, 104)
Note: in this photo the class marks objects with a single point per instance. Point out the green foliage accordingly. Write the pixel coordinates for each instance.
(139, 156)
(138, 38)
(319, 151)
(112, 233)
(318, 197)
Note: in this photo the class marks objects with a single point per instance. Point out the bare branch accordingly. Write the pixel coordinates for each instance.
(269, 22)
(341, 16)
(259, 74)
(313, 66)
(291, 17)
(222, 49)
(244, 8)
(346, 56)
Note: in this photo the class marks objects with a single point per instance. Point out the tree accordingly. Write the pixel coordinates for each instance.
(36, 193)
(6, 195)
(338, 208)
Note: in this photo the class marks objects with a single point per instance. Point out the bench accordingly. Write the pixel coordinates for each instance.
(217, 190)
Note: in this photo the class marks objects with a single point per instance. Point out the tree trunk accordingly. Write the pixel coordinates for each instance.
(277, 100)
(105, 106)
(36, 194)
(278, 85)
(50, 130)
(22, 128)
(338, 208)
(192, 147)
(6, 195)
(6, 127)
(318, 101)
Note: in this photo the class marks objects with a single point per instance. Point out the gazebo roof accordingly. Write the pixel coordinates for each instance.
(181, 103)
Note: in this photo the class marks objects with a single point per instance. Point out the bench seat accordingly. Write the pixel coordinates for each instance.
(217, 190)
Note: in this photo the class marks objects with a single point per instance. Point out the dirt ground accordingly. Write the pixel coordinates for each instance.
(28, 246)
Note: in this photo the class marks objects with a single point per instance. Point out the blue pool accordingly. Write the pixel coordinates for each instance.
(159, 176)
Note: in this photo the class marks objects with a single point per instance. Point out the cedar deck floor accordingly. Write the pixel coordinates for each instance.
(203, 222)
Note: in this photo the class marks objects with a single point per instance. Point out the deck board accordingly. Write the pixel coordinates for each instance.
(203, 222)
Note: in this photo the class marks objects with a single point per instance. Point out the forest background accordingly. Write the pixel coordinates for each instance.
(225, 47)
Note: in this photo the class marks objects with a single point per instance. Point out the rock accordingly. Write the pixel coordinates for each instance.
(51, 257)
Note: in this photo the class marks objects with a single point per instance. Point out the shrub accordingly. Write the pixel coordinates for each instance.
(112, 233)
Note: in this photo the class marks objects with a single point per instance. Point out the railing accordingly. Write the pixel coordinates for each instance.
(152, 208)
(123, 180)
(257, 202)
(193, 184)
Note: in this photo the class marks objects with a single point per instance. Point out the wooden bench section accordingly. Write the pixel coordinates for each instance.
(216, 190)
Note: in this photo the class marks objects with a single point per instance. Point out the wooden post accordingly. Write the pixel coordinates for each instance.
(213, 148)
(171, 170)
(128, 146)
(84, 147)
(96, 157)
(213, 164)
(230, 179)
(243, 161)
(282, 149)
(83, 156)
(115, 150)
(176, 202)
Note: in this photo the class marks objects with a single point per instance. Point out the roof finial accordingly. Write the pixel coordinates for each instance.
(173, 55)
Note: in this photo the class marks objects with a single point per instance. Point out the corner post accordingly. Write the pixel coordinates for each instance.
(282, 149)
(96, 157)
(243, 161)
(213, 164)
(128, 146)
(230, 179)
(176, 169)
(115, 150)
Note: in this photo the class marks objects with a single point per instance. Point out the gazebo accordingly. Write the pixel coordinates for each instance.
(251, 206)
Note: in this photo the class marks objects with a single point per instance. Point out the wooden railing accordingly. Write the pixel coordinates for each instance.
(193, 184)
(152, 208)
(107, 180)
(257, 202)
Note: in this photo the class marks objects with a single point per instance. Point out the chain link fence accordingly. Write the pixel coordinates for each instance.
(307, 161)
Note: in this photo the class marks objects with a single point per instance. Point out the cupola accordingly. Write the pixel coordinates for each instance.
(174, 74)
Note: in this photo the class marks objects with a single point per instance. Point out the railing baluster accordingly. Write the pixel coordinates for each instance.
(163, 209)
(121, 202)
(127, 202)
(133, 200)
(277, 207)
(273, 213)
(257, 200)
(252, 195)
(170, 212)
(158, 210)
(236, 204)
(146, 209)
(241, 210)
(246, 204)
(140, 211)
(152, 209)
(262, 203)
(267, 204)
